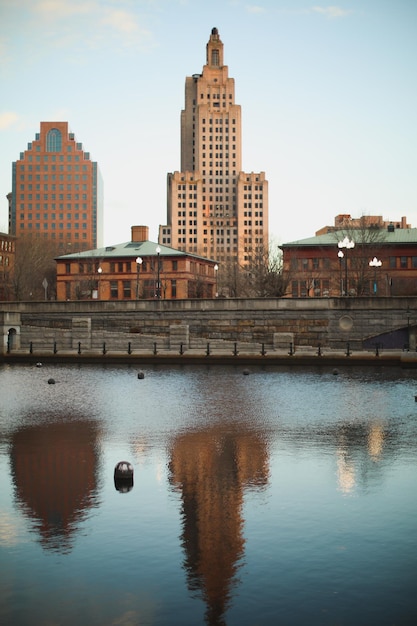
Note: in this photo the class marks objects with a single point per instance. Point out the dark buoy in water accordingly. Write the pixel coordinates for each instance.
(335, 372)
(39, 364)
(51, 381)
(246, 372)
(123, 476)
(141, 375)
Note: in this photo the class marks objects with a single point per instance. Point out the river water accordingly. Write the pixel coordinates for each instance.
(260, 497)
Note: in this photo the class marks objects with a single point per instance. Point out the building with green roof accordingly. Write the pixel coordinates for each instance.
(360, 261)
(136, 269)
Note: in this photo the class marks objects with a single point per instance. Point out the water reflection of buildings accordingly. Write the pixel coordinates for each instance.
(211, 468)
(368, 440)
(54, 469)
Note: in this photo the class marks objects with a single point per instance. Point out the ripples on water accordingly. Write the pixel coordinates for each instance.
(284, 496)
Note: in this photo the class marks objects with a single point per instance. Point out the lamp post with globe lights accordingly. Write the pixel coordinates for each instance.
(99, 272)
(341, 255)
(139, 262)
(216, 269)
(158, 284)
(346, 244)
(375, 263)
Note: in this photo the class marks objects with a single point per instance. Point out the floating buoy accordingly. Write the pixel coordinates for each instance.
(123, 476)
(39, 364)
(246, 372)
(123, 469)
(335, 372)
(141, 375)
(51, 381)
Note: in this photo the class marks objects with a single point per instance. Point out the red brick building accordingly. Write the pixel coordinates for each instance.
(7, 258)
(382, 260)
(57, 191)
(137, 269)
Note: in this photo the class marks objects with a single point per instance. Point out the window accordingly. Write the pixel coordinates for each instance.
(294, 289)
(54, 140)
(113, 289)
(403, 262)
(127, 289)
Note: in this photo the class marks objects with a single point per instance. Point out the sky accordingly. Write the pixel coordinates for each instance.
(328, 95)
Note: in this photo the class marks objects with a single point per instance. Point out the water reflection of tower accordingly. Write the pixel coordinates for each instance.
(54, 467)
(211, 468)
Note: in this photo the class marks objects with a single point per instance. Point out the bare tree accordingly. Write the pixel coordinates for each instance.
(262, 276)
(34, 262)
(368, 241)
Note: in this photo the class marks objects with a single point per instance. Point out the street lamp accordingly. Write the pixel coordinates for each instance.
(375, 263)
(216, 269)
(99, 271)
(139, 262)
(341, 255)
(347, 244)
(158, 284)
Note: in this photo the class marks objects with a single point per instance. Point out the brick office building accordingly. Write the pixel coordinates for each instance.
(57, 191)
(382, 261)
(137, 269)
(7, 258)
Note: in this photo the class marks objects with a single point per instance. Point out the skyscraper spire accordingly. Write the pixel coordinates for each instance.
(214, 49)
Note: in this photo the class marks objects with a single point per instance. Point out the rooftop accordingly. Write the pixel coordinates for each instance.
(385, 236)
(131, 249)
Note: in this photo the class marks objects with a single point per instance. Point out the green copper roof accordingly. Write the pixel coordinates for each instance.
(396, 236)
(131, 249)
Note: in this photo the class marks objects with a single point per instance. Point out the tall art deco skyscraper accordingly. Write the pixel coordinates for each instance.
(214, 209)
(57, 191)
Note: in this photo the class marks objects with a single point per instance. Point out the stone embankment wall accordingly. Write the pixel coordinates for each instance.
(329, 322)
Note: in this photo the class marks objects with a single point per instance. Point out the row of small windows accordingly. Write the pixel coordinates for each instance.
(403, 262)
(6, 245)
(218, 146)
(29, 177)
(68, 236)
(54, 226)
(52, 216)
(61, 157)
(52, 188)
(192, 187)
(218, 164)
(218, 121)
(217, 155)
(215, 96)
(307, 264)
(76, 196)
(63, 168)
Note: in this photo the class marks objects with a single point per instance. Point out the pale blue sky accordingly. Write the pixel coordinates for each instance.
(328, 95)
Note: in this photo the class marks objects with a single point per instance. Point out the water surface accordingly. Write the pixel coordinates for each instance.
(286, 496)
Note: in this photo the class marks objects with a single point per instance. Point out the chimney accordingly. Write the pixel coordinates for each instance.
(140, 233)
